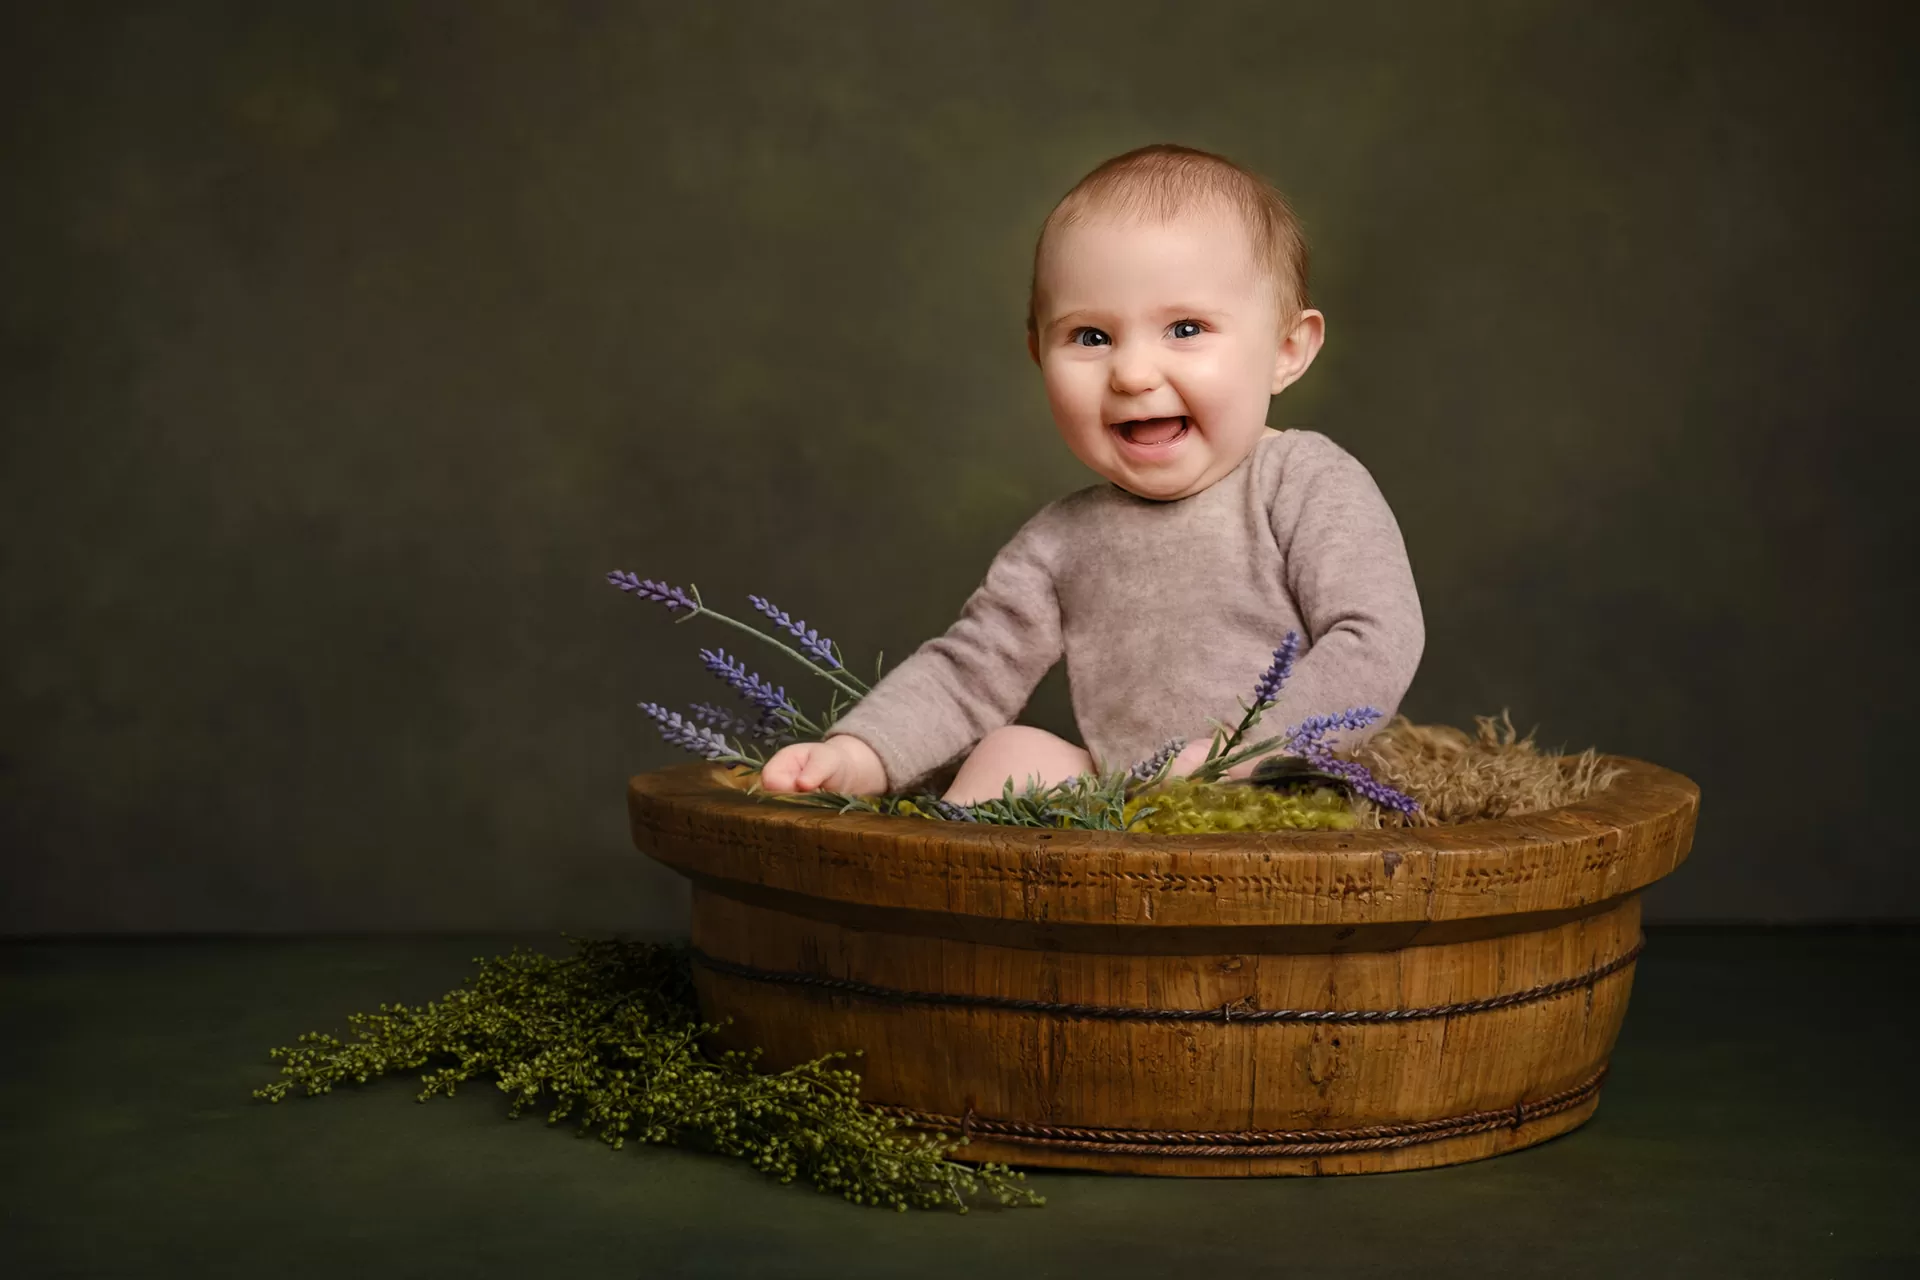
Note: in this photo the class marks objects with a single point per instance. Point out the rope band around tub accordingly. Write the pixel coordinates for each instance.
(1237, 1011)
(1253, 1142)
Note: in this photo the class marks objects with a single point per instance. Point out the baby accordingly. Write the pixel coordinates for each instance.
(1169, 303)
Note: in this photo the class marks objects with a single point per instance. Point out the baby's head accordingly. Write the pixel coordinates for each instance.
(1169, 303)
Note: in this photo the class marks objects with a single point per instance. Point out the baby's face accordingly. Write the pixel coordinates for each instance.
(1160, 345)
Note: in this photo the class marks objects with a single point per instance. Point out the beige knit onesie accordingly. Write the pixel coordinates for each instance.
(1167, 613)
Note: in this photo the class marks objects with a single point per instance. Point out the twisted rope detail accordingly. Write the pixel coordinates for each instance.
(1241, 1010)
(1253, 1142)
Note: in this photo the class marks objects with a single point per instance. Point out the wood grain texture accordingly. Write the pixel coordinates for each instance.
(1351, 921)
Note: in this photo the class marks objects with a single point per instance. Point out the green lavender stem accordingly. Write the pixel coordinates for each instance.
(845, 680)
(1213, 769)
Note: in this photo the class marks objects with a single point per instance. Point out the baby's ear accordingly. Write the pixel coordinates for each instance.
(1298, 346)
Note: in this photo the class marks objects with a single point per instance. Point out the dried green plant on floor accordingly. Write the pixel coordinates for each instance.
(611, 1034)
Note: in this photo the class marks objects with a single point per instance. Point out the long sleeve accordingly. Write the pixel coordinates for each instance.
(1347, 570)
(954, 689)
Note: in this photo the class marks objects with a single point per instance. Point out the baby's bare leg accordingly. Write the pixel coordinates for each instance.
(1016, 751)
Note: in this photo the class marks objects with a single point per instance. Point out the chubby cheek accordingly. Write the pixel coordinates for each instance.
(1219, 394)
(1075, 391)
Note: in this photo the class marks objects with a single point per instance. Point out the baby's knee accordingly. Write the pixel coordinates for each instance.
(1018, 733)
(1021, 749)
(1021, 740)
(1019, 754)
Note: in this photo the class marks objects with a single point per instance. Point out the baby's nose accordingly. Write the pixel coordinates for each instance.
(1132, 372)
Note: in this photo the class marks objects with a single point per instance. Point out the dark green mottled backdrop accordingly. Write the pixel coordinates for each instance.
(347, 346)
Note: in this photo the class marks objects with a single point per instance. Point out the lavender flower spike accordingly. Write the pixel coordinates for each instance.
(1153, 765)
(1363, 782)
(1310, 734)
(714, 716)
(760, 692)
(1276, 675)
(726, 722)
(659, 592)
(690, 737)
(811, 641)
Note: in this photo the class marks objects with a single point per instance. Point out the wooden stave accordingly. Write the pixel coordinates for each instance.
(1062, 1071)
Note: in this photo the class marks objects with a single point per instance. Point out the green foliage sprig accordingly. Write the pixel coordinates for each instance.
(612, 1033)
(1088, 802)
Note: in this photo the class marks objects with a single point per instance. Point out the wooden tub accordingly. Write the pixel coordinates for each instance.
(1227, 1005)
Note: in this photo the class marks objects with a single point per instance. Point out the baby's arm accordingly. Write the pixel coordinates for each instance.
(953, 689)
(1347, 570)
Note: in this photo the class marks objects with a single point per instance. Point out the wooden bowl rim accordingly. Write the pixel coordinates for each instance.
(1645, 792)
(697, 819)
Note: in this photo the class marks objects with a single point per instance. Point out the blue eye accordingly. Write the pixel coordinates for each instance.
(1086, 336)
(1186, 329)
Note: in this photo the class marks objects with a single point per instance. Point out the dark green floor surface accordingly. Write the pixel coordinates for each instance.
(1759, 1122)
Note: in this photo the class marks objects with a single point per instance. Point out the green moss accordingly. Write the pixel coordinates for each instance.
(1178, 806)
(1185, 807)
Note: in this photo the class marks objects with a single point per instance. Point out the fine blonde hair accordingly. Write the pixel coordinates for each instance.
(1163, 181)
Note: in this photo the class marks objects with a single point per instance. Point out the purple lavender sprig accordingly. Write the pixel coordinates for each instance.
(811, 641)
(775, 732)
(1361, 779)
(717, 717)
(646, 589)
(680, 732)
(1222, 755)
(827, 666)
(1276, 675)
(1307, 739)
(711, 729)
(778, 728)
(771, 700)
(1150, 769)
(1309, 736)
(757, 690)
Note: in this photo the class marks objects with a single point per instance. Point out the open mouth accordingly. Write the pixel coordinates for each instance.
(1154, 433)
